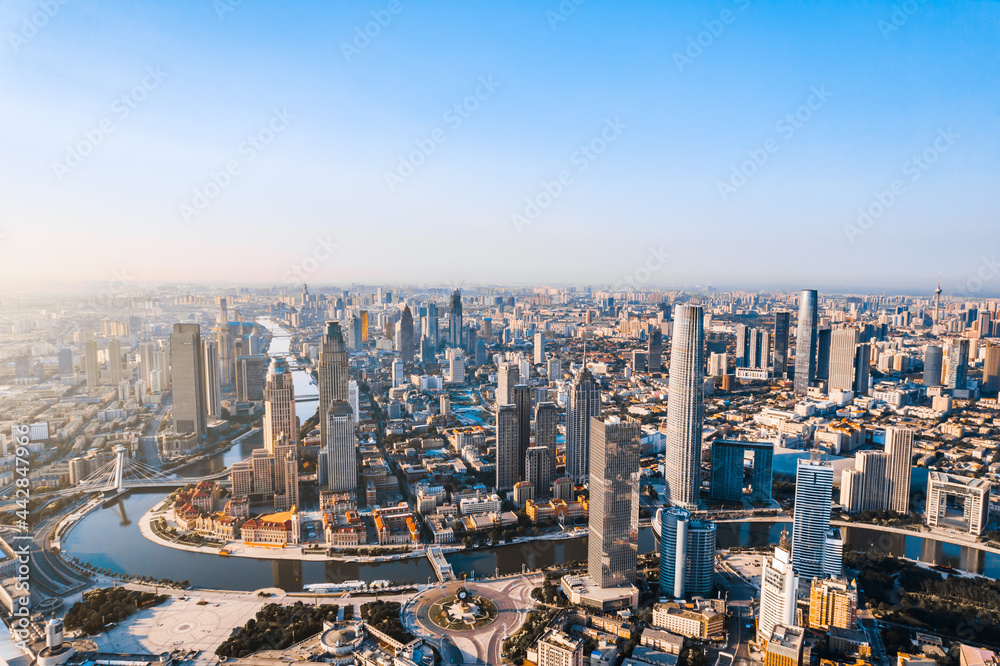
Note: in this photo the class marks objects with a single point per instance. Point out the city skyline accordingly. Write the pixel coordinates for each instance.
(181, 86)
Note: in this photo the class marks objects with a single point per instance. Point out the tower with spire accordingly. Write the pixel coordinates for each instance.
(937, 301)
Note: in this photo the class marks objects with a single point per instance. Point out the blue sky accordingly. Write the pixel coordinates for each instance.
(675, 98)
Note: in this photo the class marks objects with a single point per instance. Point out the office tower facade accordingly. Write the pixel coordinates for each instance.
(833, 552)
(455, 320)
(583, 405)
(958, 364)
(862, 369)
(522, 403)
(613, 539)
(66, 363)
(508, 376)
(728, 470)
(933, 364)
(539, 348)
(250, 374)
(456, 365)
(91, 365)
(779, 584)
(331, 373)
(781, 327)
(742, 347)
(546, 428)
(279, 405)
(115, 361)
(187, 380)
(864, 487)
(991, 369)
(654, 350)
(553, 370)
(760, 349)
(805, 341)
(824, 341)
(843, 359)
(833, 602)
(813, 492)
(226, 362)
(685, 408)
(341, 448)
(899, 454)
(509, 459)
(406, 335)
(538, 470)
(213, 379)
(687, 554)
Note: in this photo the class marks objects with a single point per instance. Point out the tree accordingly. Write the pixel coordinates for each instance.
(692, 655)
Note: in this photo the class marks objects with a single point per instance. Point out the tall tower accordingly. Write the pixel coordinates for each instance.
(227, 364)
(332, 373)
(933, 361)
(899, 451)
(546, 419)
(455, 320)
(213, 388)
(508, 376)
(522, 402)
(805, 341)
(813, 492)
(584, 404)
(958, 364)
(687, 554)
(654, 350)
(406, 335)
(779, 585)
(614, 502)
(91, 365)
(279, 405)
(937, 301)
(781, 324)
(843, 357)
(509, 456)
(685, 407)
(187, 380)
(341, 448)
(115, 361)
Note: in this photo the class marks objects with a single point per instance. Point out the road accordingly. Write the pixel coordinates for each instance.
(741, 623)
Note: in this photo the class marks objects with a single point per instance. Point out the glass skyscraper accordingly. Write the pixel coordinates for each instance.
(613, 539)
(685, 407)
(805, 342)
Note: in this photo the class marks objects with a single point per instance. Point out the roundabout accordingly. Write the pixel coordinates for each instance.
(463, 611)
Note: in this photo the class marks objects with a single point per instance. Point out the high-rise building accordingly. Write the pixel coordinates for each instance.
(187, 380)
(614, 502)
(279, 405)
(538, 468)
(522, 402)
(91, 364)
(862, 369)
(66, 362)
(654, 350)
(728, 470)
(354, 398)
(213, 379)
(553, 370)
(456, 365)
(455, 320)
(226, 362)
(805, 341)
(779, 584)
(933, 362)
(398, 374)
(899, 451)
(250, 374)
(991, 369)
(687, 554)
(146, 352)
(863, 487)
(406, 335)
(833, 602)
(331, 373)
(843, 357)
(824, 341)
(833, 552)
(539, 348)
(115, 361)
(742, 350)
(813, 492)
(509, 458)
(975, 496)
(508, 376)
(958, 364)
(341, 448)
(781, 326)
(546, 426)
(583, 404)
(685, 408)
(556, 648)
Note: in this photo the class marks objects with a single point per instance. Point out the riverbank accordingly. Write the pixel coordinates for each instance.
(298, 552)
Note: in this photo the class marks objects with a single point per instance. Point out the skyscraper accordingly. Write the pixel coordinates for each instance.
(250, 374)
(864, 487)
(824, 339)
(66, 363)
(614, 502)
(654, 350)
(584, 403)
(455, 320)
(991, 369)
(781, 325)
(227, 364)
(899, 451)
(508, 376)
(539, 348)
(933, 362)
(331, 373)
(779, 584)
(538, 466)
(522, 402)
(843, 357)
(432, 328)
(685, 408)
(91, 366)
(813, 491)
(213, 381)
(546, 426)
(687, 554)
(279, 405)
(958, 364)
(115, 361)
(187, 380)
(509, 457)
(341, 448)
(833, 602)
(406, 335)
(805, 341)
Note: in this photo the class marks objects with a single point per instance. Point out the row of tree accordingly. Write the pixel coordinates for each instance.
(277, 627)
